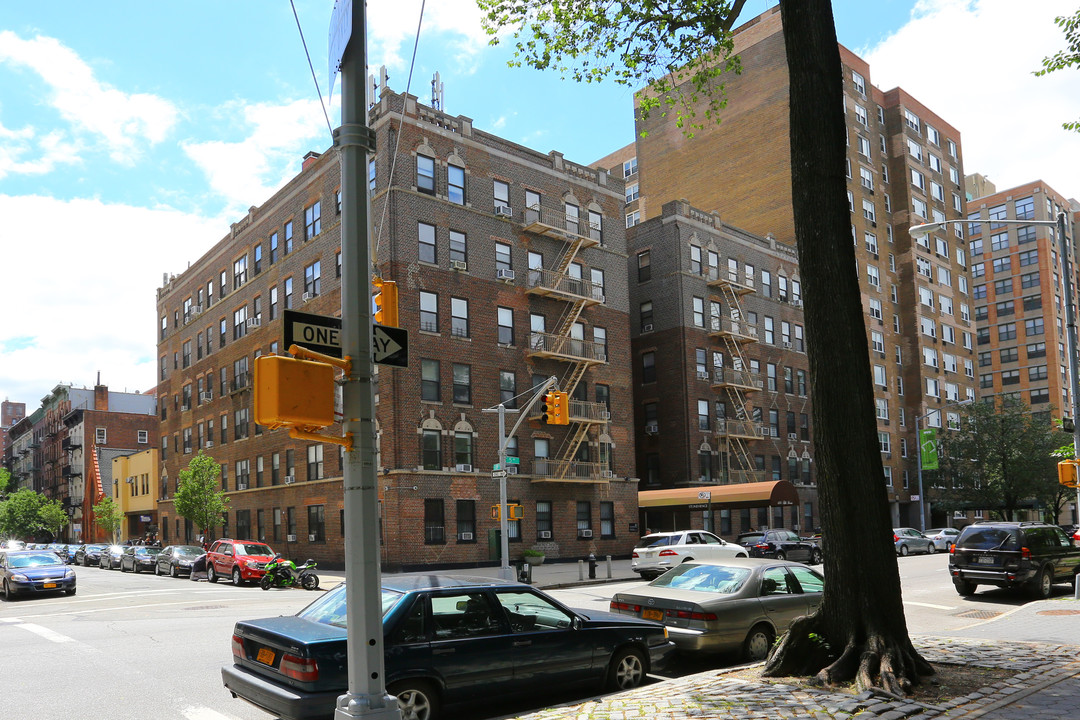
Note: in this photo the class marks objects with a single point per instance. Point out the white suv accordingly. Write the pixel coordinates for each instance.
(659, 552)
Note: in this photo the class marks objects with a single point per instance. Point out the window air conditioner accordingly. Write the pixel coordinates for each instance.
(311, 537)
(703, 375)
(465, 536)
(504, 274)
(511, 469)
(253, 322)
(584, 533)
(459, 265)
(290, 538)
(605, 415)
(792, 436)
(545, 534)
(646, 328)
(766, 432)
(209, 444)
(290, 479)
(504, 211)
(206, 396)
(606, 474)
(241, 486)
(652, 428)
(464, 467)
(787, 346)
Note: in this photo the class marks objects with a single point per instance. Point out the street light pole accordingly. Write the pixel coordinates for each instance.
(918, 445)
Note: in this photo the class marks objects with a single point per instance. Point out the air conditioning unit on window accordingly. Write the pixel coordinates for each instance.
(703, 375)
(504, 211)
(196, 310)
(290, 479)
(646, 328)
(306, 296)
(797, 302)
(465, 536)
(766, 432)
(607, 474)
(290, 538)
(605, 415)
(584, 533)
(464, 467)
(792, 436)
(459, 265)
(206, 396)
(504, 274)
(209, 444)
(511, 469)
(652, 428)
(311, 537)
(545, 534)
(787, 346)
(254, 322)
(241, 486)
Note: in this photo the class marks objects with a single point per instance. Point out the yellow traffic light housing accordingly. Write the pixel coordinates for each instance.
(555, 408)
(513, 512)
(386, 302)
(1067, 473)
(292, 392)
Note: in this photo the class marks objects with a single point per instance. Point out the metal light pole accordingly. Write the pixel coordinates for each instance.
(918, 447)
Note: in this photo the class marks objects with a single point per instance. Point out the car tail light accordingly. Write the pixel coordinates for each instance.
(624, 606)
(302, 669)
(237, 647)
(762, 546)
(952, 549)
(895, 538)
(634, 554)
(687, 615)
(667, 553)
(1025, 552)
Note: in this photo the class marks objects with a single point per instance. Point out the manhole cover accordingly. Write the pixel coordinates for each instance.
(1058, 612)
(979, 614)
(206, 607)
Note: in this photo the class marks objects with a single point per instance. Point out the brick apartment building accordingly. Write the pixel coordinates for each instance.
(61, 447)
(904, 167)
(10, 413)
(511, 268)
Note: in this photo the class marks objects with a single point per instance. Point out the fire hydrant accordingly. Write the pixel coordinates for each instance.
(592, 566)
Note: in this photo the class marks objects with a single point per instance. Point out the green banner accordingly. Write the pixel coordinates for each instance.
(928, 447)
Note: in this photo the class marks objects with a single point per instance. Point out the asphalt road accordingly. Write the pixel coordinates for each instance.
(139, 646)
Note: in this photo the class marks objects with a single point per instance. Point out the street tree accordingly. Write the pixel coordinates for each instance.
(680, 50)
(1070, 57)
(108, 517)
(53, 517)
(5, 481)
(1000, 459)
(21, 517)
(199, 497)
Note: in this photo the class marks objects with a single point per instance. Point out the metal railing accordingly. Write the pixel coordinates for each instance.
(567, 347)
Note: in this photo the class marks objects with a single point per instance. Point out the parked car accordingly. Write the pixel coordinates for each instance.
(1030, 555)
(110, 556)
(242, 560)
(780, 544)
(12, 545)
(657, 553)
(176, 559)
(909, 540)
(944, 538)
(448, 639)
(34, 571)
(738, 605)
(89, 554)
(138, 558)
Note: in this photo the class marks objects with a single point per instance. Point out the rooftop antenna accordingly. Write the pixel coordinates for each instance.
(437, 99)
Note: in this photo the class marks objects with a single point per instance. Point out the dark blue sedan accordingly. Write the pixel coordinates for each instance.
(34, 571)
(448, 640)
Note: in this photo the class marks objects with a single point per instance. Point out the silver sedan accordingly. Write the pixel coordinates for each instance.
(944, 538)
(910, 540)
(738, 605)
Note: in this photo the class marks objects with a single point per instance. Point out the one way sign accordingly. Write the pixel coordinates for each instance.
(391, 345)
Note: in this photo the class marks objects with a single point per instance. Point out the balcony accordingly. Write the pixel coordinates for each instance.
(736, 330)
(561, 347)
(239, 383)
(742, 429)
(550, 223)
(583, 411)
(728, 280)
(70, 443)
(549, 471)
(561, 286)
(728, 379)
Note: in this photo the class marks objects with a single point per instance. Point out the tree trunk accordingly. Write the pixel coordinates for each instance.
(861, 618)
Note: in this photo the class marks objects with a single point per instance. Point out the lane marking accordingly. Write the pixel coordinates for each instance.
(205, 713)
(928, 605)
(45, 632)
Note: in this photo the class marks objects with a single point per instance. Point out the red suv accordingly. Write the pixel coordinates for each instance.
(242, 559)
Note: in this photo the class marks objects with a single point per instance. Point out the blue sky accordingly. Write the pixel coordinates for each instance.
(133, 133)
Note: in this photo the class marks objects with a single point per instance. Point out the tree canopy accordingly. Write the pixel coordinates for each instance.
(1070, 57)
(20, 513)
(199, 498)
(108, 517)
(53, 517)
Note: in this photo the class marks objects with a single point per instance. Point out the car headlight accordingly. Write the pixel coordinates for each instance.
(68, 574)
(19, 577)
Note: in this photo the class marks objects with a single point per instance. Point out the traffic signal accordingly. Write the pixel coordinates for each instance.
(293, 392)
(386, 302)
(1067, 474)
(547, 407)
(561, 409)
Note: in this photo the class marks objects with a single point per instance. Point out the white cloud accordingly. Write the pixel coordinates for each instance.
(83, 298)
(392, 31)
(124, 121)
(971, 62)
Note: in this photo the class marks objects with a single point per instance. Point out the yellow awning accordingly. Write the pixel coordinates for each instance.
(741, 495)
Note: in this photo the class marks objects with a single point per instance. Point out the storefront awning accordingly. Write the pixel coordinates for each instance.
(741, 495)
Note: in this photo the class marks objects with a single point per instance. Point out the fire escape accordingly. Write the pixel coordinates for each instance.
(735, 383)
(568, 344)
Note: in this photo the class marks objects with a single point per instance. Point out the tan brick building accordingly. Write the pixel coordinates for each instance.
(511, 268)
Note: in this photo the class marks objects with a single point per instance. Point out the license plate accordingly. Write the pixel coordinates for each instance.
(656, 615)
(265, 656)
(49, 585)
(985, 560)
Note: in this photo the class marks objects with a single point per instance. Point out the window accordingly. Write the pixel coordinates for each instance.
(912, 120)
(1029, 280)
(312, 220)
(288, 297)
(1029, 257)
(426, 248)
(879, 376)
(466, 520)
(871, 242)
(240, 322)
(648, 367)
(273, 249)
(458, 247)
(1007, 331)
(868, 210)
(584, 518)
(425, 174)
(431, 449)
(315, 462)
(459, 317)
(502, 256)
(873, 277)
(434, 522)
(462, 383)
(1025, 208)
(1033, 326)
(917, 180)
(429, 312)
(877, 341)
(860, 115)
(864, 147)
(919, 207)
(501, 194)
(629, 167)
(455, 184)
(646, 313)
(699, 312)
(313, 279)
(632, 192)
(508, 388)
(463, 448)
(858, 83)
(633, 218)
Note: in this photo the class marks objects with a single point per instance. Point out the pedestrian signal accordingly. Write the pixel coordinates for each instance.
(1067, 474)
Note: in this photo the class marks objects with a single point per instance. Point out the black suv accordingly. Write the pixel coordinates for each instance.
(1031, 555)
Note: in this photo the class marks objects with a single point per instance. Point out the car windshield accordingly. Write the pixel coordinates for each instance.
(188, 550)
(717, 579)
(989, 538)
(253, 549)
(659, 540)
(34, 560)
(330, 608)
(147, 551)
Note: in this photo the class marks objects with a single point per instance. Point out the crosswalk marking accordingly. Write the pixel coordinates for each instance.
(44, 632)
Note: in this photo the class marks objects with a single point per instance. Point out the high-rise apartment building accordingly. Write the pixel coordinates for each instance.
(904, 167)
(511, 268)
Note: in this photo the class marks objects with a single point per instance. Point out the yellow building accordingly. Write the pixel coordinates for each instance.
(134, 488)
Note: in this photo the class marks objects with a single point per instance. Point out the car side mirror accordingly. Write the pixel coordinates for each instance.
(576, 623)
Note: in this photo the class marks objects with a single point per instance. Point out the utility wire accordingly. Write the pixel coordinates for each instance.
(318, 91)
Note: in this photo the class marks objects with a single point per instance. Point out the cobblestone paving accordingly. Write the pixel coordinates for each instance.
(1047, 687)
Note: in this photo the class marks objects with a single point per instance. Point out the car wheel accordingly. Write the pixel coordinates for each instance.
(71, 591)
(173, 572)
(758, 643)
(157, 569)
(903, 551)
(417, 699)
(627, 670)
(742, 555)
(964, 587)
(237, 580)
(266, 582)
(815, 557)
(135, 569)
(7, 591)
(1043, 584)
(781, 555)
(211, 576)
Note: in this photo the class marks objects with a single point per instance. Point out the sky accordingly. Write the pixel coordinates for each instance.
(132, 134)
